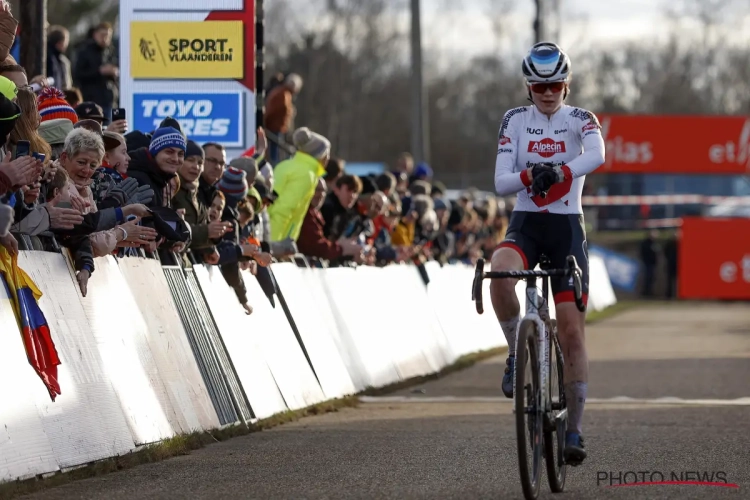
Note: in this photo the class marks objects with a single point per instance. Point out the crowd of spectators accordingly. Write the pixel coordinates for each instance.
(70, 174)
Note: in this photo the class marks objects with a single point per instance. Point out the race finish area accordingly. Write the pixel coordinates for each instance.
(667, 404)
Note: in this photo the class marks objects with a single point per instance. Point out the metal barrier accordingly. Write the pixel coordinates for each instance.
(200, 342)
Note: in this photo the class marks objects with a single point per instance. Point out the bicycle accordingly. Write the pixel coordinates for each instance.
(540, 399)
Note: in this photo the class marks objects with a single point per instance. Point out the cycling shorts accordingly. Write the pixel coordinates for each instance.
(533, 234)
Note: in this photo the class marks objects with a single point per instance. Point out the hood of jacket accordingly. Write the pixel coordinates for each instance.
(142, 161)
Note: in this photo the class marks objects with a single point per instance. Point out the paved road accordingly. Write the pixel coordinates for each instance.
(457, 441)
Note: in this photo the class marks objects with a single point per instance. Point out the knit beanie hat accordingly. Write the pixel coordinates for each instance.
(309, 142)
(247, 165)
(233, 184)
(52, 105)
(194, 149)
(166, 137)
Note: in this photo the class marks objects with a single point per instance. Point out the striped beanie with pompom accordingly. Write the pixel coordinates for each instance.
(52, 105)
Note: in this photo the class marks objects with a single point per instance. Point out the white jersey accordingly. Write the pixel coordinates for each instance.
(571, 139)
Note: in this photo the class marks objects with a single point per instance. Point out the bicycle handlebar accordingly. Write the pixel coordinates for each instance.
(571, 270)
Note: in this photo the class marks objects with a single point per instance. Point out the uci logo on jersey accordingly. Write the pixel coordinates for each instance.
(202, 117)
(534, 131)
(546, 148)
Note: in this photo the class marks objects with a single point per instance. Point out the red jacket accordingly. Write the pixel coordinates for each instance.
(312, 242)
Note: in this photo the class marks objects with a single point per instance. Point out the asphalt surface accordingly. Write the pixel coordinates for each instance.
(455, 439)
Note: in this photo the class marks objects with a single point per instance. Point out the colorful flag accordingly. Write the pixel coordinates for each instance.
(23, 293)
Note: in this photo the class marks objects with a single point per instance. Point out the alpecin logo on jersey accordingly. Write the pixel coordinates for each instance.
(546, 148)
(503, 141)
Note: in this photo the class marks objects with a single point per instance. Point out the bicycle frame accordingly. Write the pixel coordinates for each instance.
(533, 308)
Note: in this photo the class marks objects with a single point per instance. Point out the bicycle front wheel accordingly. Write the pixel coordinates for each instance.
(528, 402)
(554, 433)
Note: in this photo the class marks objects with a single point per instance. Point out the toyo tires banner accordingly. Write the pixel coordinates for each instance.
(193, 60)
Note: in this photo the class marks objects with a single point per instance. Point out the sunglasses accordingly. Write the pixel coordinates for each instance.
(541, 88)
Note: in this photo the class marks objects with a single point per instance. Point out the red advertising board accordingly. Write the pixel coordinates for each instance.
(676, 144)
(714, 259)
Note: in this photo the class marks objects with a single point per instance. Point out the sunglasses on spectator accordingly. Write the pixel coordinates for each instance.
(541, 88)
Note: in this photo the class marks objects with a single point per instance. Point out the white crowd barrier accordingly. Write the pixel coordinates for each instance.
(129, 375)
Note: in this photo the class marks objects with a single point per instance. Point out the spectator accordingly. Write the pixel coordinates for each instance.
(216, 162)
(295, 181)
(386, 182)
(27, 125)
(158, 164)
(671, 251)
(280, 111)
(413, 209)
(312, 240)
(88, 110)
(83, 153)
(114, 168)
(54, 132)
(58, 64)
(52, 105)
(15, 73)
(233, 186)
(420, 187)
(337, 208)
(438, 189)
(8, 27)
(334, 170)
(423, 172)
(247, 165)
(404, 165)
(73, 96)
(96, 70)
(650, 258)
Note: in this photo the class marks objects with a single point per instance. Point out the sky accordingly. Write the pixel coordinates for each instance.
(461, 28)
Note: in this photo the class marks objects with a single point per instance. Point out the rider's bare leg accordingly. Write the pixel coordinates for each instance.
(570, 330)
(503, 294)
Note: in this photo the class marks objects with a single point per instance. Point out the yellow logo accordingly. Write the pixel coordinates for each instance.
(203, 50)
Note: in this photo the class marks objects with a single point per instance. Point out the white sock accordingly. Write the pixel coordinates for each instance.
(575, 398)
(509, 329)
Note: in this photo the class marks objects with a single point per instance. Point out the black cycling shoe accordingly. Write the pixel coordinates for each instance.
(574, 453)
(507, 385)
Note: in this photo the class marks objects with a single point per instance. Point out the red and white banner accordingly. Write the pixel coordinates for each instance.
(676, 144)
(714, 259)
(664, 199)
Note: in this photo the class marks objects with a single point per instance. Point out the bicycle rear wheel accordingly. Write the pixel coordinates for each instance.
(554, 432)
(528, 404)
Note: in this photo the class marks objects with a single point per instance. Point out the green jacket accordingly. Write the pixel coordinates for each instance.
(196, 215)
(294, 181)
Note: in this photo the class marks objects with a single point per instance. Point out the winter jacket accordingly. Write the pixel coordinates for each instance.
(8, 26)
(196, 215)
(143, 168)
(312, 241)
(58, 67)
(336, 217)
(294, 181)
(94, 86)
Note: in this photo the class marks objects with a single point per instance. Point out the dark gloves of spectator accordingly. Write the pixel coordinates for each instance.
(129, 192)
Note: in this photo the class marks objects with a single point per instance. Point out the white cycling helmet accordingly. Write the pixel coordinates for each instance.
(546, 62)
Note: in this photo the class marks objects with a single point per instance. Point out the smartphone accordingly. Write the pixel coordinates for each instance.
(118, 114)
(23, 148)
(38, 156)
